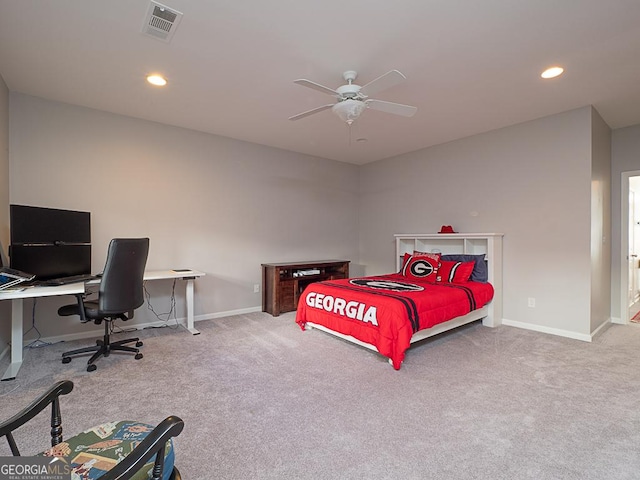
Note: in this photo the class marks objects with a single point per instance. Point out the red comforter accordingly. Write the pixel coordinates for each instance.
(385, 311)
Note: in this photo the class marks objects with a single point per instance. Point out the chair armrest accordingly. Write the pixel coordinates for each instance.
(83, 316)
(152, 444)
(61, 388)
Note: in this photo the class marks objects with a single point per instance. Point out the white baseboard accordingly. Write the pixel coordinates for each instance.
(228, 313)
(617, 320)
(553, 331)
(601, 329)
(98, 332)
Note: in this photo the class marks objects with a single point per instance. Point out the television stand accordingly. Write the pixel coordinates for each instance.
(283, 283)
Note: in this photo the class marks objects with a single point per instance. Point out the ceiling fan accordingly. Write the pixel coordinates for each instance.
(352, 99)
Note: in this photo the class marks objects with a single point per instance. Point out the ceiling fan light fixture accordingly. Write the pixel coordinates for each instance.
(352, 99)
(349, 110)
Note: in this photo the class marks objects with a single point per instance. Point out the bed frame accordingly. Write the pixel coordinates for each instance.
(489, 244)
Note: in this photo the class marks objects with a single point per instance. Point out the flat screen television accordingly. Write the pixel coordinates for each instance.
(50, 242)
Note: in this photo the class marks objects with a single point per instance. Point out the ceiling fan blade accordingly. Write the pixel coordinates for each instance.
(316, 86)
(390, 107)
(311, 112)
(383, 82)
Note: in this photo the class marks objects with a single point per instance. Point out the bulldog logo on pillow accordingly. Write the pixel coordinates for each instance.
(421, 266)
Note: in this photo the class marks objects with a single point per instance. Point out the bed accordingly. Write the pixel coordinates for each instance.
(443, 282)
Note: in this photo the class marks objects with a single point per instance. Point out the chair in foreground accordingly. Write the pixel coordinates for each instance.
(120, 293)
(112, 451)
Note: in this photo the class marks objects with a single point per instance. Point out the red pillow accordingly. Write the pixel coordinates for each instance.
(421, 267)
(454, 272)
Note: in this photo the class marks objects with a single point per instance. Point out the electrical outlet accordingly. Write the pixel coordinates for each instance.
(531, 302)
(256, 288)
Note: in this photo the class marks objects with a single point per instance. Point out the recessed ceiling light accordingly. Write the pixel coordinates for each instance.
(552, 72)
(157, 80)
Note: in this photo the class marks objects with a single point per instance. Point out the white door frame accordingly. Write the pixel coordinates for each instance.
(624, 247)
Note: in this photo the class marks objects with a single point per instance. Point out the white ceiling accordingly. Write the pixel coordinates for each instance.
(471, 65)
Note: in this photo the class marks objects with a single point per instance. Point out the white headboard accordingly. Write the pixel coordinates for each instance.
(489, 244)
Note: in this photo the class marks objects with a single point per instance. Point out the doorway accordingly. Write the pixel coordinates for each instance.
(630, 236)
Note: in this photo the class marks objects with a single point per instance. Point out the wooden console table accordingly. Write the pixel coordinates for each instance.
(283, 283)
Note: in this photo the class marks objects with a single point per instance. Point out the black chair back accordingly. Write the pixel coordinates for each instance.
(121, 285)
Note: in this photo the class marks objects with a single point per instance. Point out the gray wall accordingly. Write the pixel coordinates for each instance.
(530, 181)
(225, 206)
(625, 157)
(5, 328)
(600, 221)
(206, 202)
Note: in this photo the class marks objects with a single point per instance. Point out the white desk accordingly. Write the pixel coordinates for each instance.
(18, 296)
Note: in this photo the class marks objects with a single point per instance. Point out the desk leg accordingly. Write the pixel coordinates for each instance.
(189, 298)
(16, 340)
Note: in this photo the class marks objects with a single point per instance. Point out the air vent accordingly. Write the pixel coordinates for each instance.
(161, 21)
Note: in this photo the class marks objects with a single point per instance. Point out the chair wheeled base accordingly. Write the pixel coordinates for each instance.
(104, 347)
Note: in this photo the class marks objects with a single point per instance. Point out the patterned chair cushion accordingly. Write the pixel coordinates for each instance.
(97, 450)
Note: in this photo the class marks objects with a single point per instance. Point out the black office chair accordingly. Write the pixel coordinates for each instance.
(142, 450)
(120, 293)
